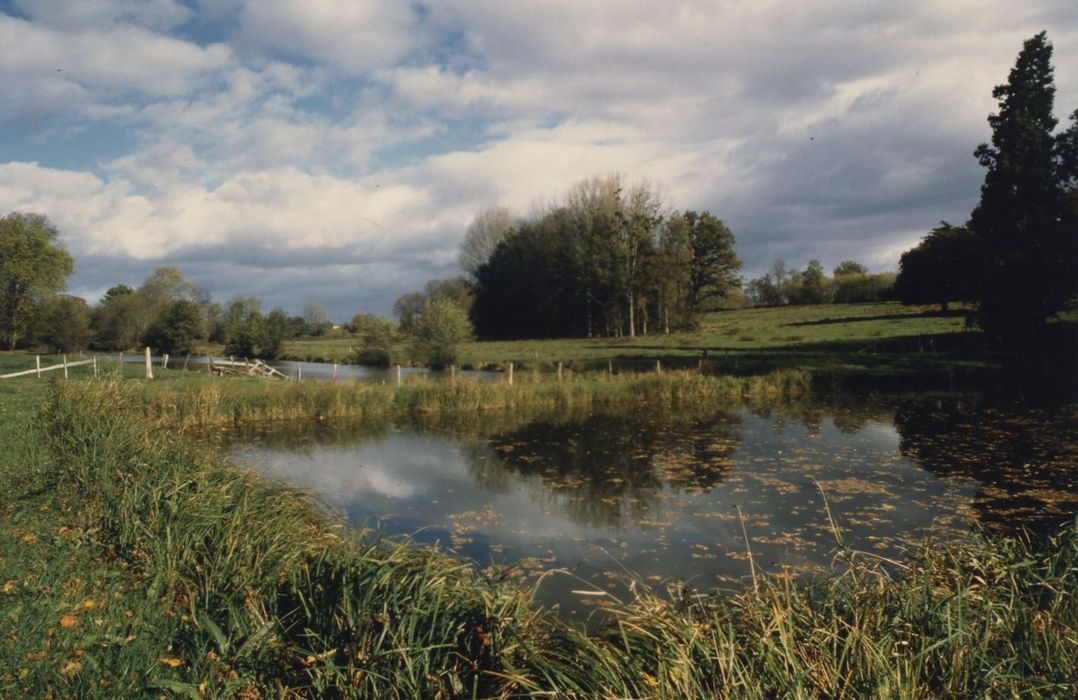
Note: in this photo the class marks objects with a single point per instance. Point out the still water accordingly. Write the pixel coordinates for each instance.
(669, 499)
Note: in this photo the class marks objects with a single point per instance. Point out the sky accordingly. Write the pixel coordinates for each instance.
(335, 151)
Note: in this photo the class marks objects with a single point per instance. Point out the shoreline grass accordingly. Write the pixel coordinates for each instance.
(199, 402)
(260, 593)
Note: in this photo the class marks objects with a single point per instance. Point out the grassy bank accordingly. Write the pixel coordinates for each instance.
(203, 580)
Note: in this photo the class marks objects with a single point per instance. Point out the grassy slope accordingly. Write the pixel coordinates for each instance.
(823, 337)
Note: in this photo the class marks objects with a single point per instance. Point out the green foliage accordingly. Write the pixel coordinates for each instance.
(376, 342)
(487, 230)
(66, 324)
(408, 308)
(941, 269)
(177, 329)
(1026, 224)
(782, 286)
(814, 286)
(849, 267)
(33, 267)
(439, 331)
(863, 289)
(117, 321)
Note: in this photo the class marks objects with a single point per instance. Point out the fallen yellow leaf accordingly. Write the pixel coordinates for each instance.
(171, 662)
(67, 621)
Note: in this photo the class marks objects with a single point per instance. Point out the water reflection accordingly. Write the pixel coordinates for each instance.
(607, 470)
(1025, 459)
(671, 497)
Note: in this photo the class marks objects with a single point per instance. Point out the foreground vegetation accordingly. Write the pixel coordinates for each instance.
(135, 560)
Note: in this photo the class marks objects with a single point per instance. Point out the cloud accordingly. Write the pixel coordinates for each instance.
(47, 70)
(80, 15)
(353, 36)
(342, 147)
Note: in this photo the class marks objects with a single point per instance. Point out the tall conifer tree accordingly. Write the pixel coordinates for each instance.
(1022, 224)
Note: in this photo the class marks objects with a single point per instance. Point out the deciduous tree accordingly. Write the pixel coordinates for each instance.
(33, 267)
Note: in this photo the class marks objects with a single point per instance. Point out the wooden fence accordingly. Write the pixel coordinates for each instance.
(64, 366)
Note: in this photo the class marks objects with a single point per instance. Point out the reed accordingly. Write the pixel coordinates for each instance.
(202, 402)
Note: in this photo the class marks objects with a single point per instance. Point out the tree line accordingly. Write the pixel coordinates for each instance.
(166, 312)
(171, 314)
(609, 260)
(1016, 258)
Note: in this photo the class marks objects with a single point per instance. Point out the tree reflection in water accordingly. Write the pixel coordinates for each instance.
(1025, 458)
(608, 470)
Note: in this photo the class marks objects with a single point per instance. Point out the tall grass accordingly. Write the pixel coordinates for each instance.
(274, 596)
(207, 402)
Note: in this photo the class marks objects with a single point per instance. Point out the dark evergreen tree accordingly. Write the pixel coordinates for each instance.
(1024, 223)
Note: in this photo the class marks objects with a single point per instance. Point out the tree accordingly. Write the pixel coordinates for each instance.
(938, 269)
(1024, 224)
(849, 267)
(672, 273)
(316, 318)
(237, 312)
(33, 267)
(408, 308)
(813, 284)
(116, 322)
(440, 330)
(66, 324)
(177, 329)
(487, 230)
(456, 289)
(161, 290)
(714, 267)
(376, 342)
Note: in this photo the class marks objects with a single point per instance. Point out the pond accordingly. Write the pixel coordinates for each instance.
(312, 370)
(668, 499)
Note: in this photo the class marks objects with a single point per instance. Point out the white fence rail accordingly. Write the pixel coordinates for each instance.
(39, 370)
(64, 366)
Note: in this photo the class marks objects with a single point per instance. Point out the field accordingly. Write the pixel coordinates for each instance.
(788, 334)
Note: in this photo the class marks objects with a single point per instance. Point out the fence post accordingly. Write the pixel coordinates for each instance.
(65, 366)
(185, 361)
(149, 365)
(559, 372)
(334, 372)
(658, 367)
(164, 361)
(37, 362)
(398, 375)
(299, 373)
(510, 374)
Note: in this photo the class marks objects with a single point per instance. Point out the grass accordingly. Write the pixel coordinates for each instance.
(800, 331)
(135, 561)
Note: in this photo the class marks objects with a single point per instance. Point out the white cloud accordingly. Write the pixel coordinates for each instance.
(818, 129)
(351, 35)
(46, 69)
(80, 15)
